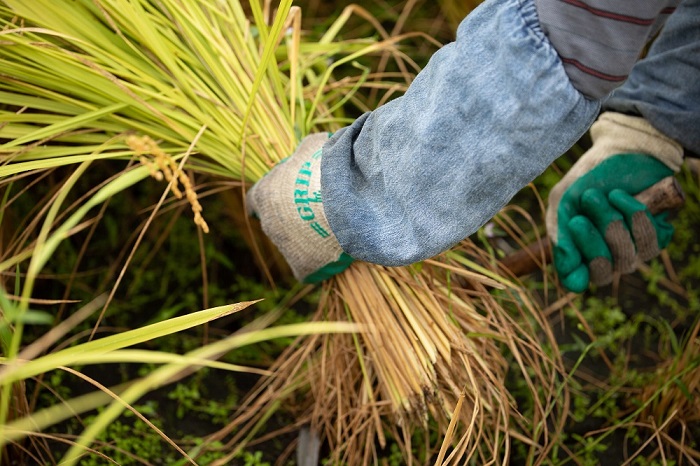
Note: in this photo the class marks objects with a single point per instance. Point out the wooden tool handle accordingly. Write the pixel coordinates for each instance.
(664, 195)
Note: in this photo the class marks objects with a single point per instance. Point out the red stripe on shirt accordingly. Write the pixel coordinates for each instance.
(593, 72)
(610, 15)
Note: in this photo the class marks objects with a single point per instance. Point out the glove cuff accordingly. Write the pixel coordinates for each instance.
(617, 133)
(290, 207)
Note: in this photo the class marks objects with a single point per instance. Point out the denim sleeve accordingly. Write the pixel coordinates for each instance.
(487, 115)
(599, 41)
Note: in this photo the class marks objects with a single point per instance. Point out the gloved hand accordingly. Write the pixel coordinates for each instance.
(593, 220)
(288, 203)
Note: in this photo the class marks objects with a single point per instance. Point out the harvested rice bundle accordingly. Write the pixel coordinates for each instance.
(434, 358)
(109, 77)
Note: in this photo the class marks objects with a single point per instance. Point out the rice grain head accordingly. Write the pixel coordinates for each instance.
(161, 165)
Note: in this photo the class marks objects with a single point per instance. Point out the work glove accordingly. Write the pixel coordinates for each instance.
(596, 225)
(288, 203)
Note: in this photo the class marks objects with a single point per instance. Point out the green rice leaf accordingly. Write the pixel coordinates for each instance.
(63, 126)
(19, 371)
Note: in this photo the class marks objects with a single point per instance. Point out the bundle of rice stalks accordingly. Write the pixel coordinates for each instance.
(438, 348)
(195, 86)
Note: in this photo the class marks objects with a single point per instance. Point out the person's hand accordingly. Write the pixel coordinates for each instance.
(596, 225)
(288, 203)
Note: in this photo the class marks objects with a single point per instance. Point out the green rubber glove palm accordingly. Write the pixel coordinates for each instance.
(289, 205)
(597, 226)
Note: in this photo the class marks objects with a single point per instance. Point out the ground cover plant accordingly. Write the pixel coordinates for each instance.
(81, 226)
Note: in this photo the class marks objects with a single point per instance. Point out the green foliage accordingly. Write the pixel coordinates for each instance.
(396, 456)
(199, 396)
(129, 437)
(588, 450)
(641, 461)
(129, 440)
(253, 459)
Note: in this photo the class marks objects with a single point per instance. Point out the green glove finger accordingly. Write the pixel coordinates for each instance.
(567, 257)
(639, 222)
(596, 207)
(630, 172)
(611, 226)
(593, 248)
(577, 281)
(651, 234)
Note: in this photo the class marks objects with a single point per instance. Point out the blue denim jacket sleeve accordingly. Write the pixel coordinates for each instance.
(487, 115)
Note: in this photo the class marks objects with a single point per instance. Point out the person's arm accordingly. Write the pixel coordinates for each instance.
(486, 116)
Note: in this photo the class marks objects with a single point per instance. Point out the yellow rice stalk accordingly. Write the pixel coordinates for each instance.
(120, 75)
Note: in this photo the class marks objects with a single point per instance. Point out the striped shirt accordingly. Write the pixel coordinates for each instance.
(599, 41)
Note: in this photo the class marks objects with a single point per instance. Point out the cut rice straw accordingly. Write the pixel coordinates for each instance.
(385, 378)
